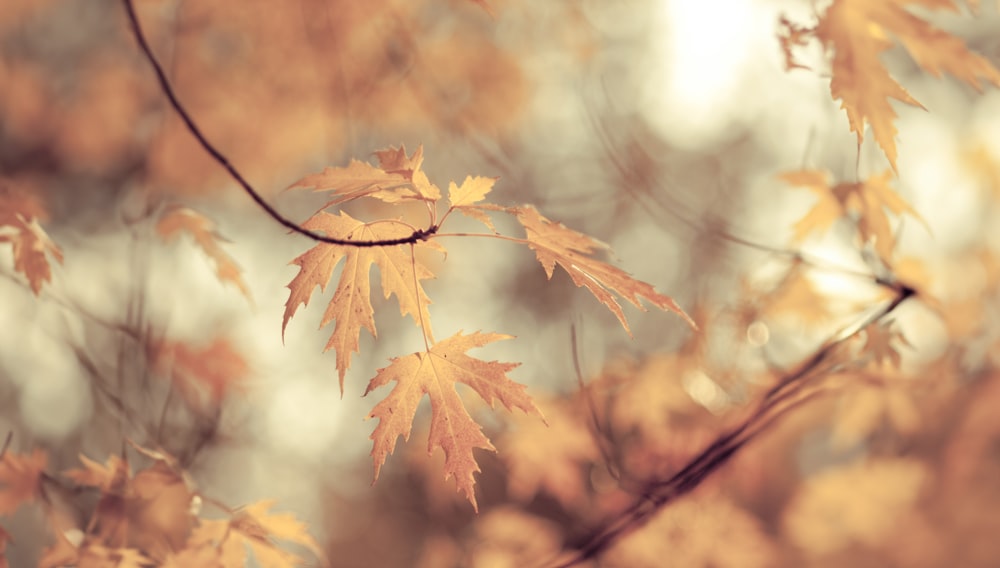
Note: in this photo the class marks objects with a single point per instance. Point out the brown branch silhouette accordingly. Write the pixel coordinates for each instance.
(789, 393)
(220, 158)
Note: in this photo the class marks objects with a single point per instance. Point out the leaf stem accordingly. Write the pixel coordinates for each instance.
(416, 293)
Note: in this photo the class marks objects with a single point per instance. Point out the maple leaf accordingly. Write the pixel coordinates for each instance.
(465, 197)
(865, 406)
(858, 31)
(20, 479)
(868, 200)
(436, 373)
(398, 177)
(796, 296)
(254, 527)
(97, 556)
(550, 456)
(554, 244)
(790, 36)
(351, 305)
(177, 219)
(19, 215)
(880, 340)
(213, 370)
(108, 478)
(855, 503)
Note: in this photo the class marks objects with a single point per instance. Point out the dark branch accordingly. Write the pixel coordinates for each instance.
(782, 398)
(168, 91)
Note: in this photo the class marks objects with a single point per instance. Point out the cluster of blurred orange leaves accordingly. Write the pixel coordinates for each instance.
(634, 423)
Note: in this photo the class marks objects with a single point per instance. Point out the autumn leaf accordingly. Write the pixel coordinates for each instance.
(20, 479)
(791, 36)
(868, 201)
(98, 556)
(254, 527)
(554, 244)
(199, 372)
(857, 32)
(109, 478)
(869, 402)
(794, 297)
(4, 539)
(19, 215)
(178, 219)
(465, 197)
(854, 503)
(550, 456)
(882, 342)
(398, 177)
(351, 305)
(698, 531)
(436, 373)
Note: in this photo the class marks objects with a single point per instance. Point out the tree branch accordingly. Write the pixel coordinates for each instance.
(168, 91)
(778, 401)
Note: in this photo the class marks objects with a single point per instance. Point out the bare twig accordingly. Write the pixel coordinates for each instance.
(787, 395)
(168, 91)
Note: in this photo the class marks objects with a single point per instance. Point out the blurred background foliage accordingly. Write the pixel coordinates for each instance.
(659, 126)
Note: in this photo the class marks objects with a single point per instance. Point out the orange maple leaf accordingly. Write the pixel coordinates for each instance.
(868, 200)
(213, 370)
(109, 478)
(254, 527)
(178, 219)
(858, 31)
(398, 177)
(19, 215)
(351, 305)
(20, 479)
(465, 198)
(554, 244)
(436, 373)
(4, 539)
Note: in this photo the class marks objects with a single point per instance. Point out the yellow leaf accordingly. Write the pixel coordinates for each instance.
(19, 215)
(473, 190)
(554, 244)
(858, 31)
(108, 478)
(351, 305)
(357, 180)
(20, 479)
(202, 375)
(436, 373)
(178, 219)
(868, 200)
(254, 527)
(855, 503)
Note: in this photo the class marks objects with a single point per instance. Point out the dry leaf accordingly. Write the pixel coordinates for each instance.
(857, 32)
(554, 244)
(351, 305)
(202, 376)
(19, 214)
(855, 503)
(254, 527)
(867, 200)
(178, 219)
(549, 456)
(20, 479)
(398, 177)
(436, 373)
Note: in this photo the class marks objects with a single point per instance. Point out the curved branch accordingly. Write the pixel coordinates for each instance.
(168, 91)
(782, 398)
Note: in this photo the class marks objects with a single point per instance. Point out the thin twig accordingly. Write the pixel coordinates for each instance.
(168, 91)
